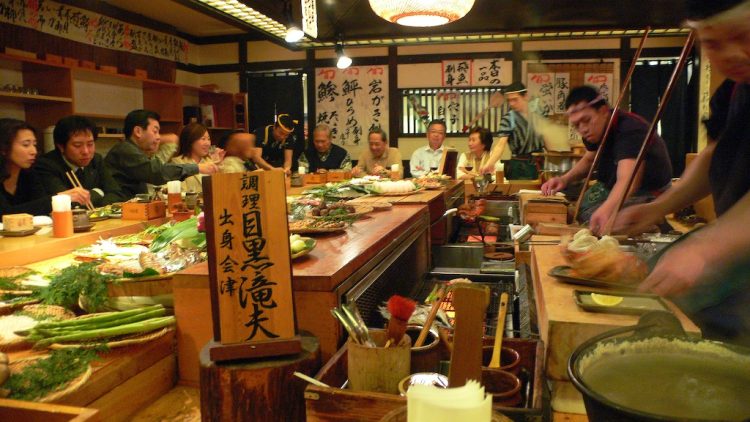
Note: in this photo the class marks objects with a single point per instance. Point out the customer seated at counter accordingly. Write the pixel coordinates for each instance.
(322, 155)
(22, 190)
(378, 158)
(75, 151)
(428, 157)
(130, 161)
(240, 153)
(480, 145)
(195, 148)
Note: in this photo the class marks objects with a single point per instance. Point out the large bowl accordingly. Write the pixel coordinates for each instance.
(662, 377)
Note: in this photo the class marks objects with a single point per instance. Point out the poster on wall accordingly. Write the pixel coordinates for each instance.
(491, 72)
(562, 88)
(310, 18)
(91, 28)
(457, 73)
(542, 86)
(351, 102)
(602, 81)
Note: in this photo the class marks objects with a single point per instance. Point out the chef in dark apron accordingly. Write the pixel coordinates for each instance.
(708, 273)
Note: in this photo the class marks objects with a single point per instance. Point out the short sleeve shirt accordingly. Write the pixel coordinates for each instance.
(273, 150)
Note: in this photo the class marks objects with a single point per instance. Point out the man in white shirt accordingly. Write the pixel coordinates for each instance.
(428, 157)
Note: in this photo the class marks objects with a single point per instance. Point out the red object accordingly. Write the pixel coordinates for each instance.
(401, 309)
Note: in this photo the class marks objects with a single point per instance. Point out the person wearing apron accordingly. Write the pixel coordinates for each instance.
(707, 273)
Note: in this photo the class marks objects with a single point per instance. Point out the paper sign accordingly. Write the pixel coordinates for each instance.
(602, 81)
(542, 86)
(457, 73)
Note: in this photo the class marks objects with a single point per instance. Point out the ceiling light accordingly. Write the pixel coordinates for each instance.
(293, 34)
(421, 12)
(343, 61)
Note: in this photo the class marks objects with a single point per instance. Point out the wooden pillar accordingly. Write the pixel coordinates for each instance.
(263, 390)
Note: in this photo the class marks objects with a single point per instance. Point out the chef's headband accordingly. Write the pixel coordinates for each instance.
(580, 106)
(285, 122)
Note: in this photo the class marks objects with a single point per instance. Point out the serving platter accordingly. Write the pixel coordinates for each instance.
(566, 274)
(397, 193)
(310, 242)
(21, 233)
(314, 230)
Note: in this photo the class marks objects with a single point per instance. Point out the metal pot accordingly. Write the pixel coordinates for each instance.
(659, 349)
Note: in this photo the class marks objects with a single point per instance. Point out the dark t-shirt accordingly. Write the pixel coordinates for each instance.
(273, 151)
(729, 174)
(624, 142)
(29, 198)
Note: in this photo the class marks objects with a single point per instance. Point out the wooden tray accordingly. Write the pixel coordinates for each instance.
(397, 194)
(565, 274)
(23, 233)
(632, 303)
(72, 386)
(333, 403)
(120, 342)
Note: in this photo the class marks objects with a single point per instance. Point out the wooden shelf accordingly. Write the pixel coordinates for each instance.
(30, 98)
(111, 136)
(103, 116)
(219, 128)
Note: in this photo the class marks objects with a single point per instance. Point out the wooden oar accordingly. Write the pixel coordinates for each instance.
(642, 153)
(470, 302)
(496, 100)
(430, 318)
(608, 128)
(497, 349)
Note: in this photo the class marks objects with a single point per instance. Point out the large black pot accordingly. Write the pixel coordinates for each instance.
(655, 328)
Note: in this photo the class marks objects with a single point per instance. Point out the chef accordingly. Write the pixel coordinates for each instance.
(708, 273)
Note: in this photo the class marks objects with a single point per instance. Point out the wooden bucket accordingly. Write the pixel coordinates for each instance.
(377, 368)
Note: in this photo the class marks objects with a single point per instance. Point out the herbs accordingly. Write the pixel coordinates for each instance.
(50, 374)
(79, 280)
(187, 230)
(11, 282)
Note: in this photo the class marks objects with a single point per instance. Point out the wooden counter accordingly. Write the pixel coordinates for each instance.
(35, 248)
(384, 250)
(562, 324)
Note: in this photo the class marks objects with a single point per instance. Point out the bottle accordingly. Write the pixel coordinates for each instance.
(62, 216)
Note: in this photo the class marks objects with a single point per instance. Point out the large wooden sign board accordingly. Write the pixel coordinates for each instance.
(249, 265)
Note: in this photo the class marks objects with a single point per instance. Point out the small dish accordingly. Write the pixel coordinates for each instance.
(83, 228)
(42, 220)
(22, 233)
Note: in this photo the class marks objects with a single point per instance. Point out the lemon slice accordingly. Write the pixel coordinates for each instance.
(606, 300)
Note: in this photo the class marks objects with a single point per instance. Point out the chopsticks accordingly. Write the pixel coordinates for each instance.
(77, 184)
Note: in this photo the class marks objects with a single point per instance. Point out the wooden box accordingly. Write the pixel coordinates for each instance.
(88, 64)
(20, 53)
(339, 175)
(143, 210)
(108, 69)
(53, 58)
(334, 403)
(314, 178)
(141, 74)
(69, 61)
(548, 210)
(18, 410)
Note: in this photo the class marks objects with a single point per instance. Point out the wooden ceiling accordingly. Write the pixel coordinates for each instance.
(354, 19)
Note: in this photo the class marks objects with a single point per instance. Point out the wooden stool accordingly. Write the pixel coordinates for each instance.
(258, 389)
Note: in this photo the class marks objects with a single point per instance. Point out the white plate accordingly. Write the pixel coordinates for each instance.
(42, 220)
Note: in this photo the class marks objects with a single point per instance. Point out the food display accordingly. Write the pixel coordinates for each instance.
(399, 187)
(335, 209)
(316, 226)
(602, 259)
(108, 211)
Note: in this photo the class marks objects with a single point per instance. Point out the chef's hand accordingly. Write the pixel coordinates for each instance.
(378, 169)
(677, 271)
(488, 169)
(80, 195)
(636, 219)
(287, 171)
(553, 185)
(600, 218)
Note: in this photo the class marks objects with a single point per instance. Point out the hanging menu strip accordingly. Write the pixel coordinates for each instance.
(91, 28)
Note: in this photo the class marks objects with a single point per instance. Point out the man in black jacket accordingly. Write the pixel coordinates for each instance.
(75, 151)
(322, 154)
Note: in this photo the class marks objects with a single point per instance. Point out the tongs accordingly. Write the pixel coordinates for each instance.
(350, 318)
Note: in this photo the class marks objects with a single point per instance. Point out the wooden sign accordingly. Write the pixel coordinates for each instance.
(249, 265)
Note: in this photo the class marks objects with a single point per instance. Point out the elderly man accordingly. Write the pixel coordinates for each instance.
(379, 158)
(75, 150)
(131, 164)
(517, 129)
(323, 155)
(428, 157)
(589, 113)
(707, 273)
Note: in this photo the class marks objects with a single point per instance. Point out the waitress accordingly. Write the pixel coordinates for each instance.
(278, 142)
(708, 273)
(22, 190)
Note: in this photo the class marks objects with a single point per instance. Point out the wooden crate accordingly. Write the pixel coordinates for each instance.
(18, 410)
(88, 64)
(336, 404)
(315, 178)
(143, 211)
(339, 175)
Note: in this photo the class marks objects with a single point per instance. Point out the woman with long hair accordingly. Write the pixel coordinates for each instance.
(480, 145)
(195, 147)
(22, 190)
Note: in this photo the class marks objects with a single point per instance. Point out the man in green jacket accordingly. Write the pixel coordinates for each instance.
(131, 163)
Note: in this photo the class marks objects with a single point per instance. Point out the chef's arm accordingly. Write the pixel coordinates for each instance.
(495, 154)
(624, 170)
(257, 158)
(288, 160)
(692, 186)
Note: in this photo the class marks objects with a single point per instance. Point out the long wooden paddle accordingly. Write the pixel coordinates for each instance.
(608, 128)
(642, 153)
(496, 100)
